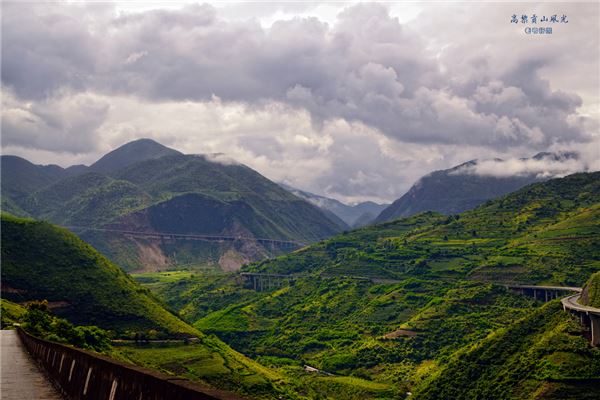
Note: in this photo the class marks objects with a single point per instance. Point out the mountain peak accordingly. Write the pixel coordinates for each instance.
(130, 153)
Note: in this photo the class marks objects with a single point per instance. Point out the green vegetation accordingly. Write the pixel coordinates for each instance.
(144, 186)
(42, 261)
(10, 314)
(540, 354)
(543, 233)
(392, 305)
(209, 362)
(38, 322)
(591, 291)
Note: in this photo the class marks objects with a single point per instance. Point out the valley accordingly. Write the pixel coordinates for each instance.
(407, 306)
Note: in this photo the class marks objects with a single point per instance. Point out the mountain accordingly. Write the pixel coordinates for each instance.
(504, 239)
(461, 188)
(147, 188)
(130, 153)
(20, 178)
(353, 215)
(396, 304)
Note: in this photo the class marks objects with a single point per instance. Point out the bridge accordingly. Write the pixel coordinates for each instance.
(261, 282)
(37, 369)
(184, 236)
(544, 293)
(589, 316)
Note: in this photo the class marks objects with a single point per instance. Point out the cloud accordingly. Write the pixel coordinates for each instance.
(367, 67)
(65, 124)
(551, 165)
(356, 109)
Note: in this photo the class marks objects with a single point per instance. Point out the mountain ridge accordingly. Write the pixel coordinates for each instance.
(148, 192)
(461, 188)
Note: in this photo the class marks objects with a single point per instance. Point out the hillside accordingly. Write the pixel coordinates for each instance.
(392, 303)
(42, 261)
(146, 187)
(544, 233)
(591, 291)
(462, 188)
(20, 178)
(541, 356)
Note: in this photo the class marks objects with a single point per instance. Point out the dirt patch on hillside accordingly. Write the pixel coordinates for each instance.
(151, 256)
(8, 289)
(400, 333)
(231, 260)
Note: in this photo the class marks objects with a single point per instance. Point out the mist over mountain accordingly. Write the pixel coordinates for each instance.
(355, 216)
(465, 186)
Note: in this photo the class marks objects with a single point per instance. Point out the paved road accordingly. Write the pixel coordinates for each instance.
(572, 303)
(20, 377)
(564, 288)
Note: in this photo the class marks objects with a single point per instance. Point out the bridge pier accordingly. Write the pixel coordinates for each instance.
(595, 327)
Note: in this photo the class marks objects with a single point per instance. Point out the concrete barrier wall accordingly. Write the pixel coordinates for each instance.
(84, 375)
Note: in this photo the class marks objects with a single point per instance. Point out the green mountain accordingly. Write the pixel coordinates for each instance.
(146, 187)
(458, 189)
(542, 356)
(356, 215)
(393, 304)
(20, 178)
(130, 153)
(543, 233)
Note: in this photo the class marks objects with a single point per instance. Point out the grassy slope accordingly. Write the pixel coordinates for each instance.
(534, 358)
(11, 313)
(90, 199)
(544, 233)
(48, 262)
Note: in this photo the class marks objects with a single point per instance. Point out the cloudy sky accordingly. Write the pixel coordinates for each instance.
(351, 100)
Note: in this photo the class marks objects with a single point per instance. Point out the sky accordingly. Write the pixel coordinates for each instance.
(349, 100)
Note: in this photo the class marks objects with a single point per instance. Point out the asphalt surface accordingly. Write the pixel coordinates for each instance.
(20, 377)
(572, 303)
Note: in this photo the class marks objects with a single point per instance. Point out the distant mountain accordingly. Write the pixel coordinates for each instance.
(130, 153)
(461, 188)
(173, 194)
(353, 215)
(558, 218)
(20, 178)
